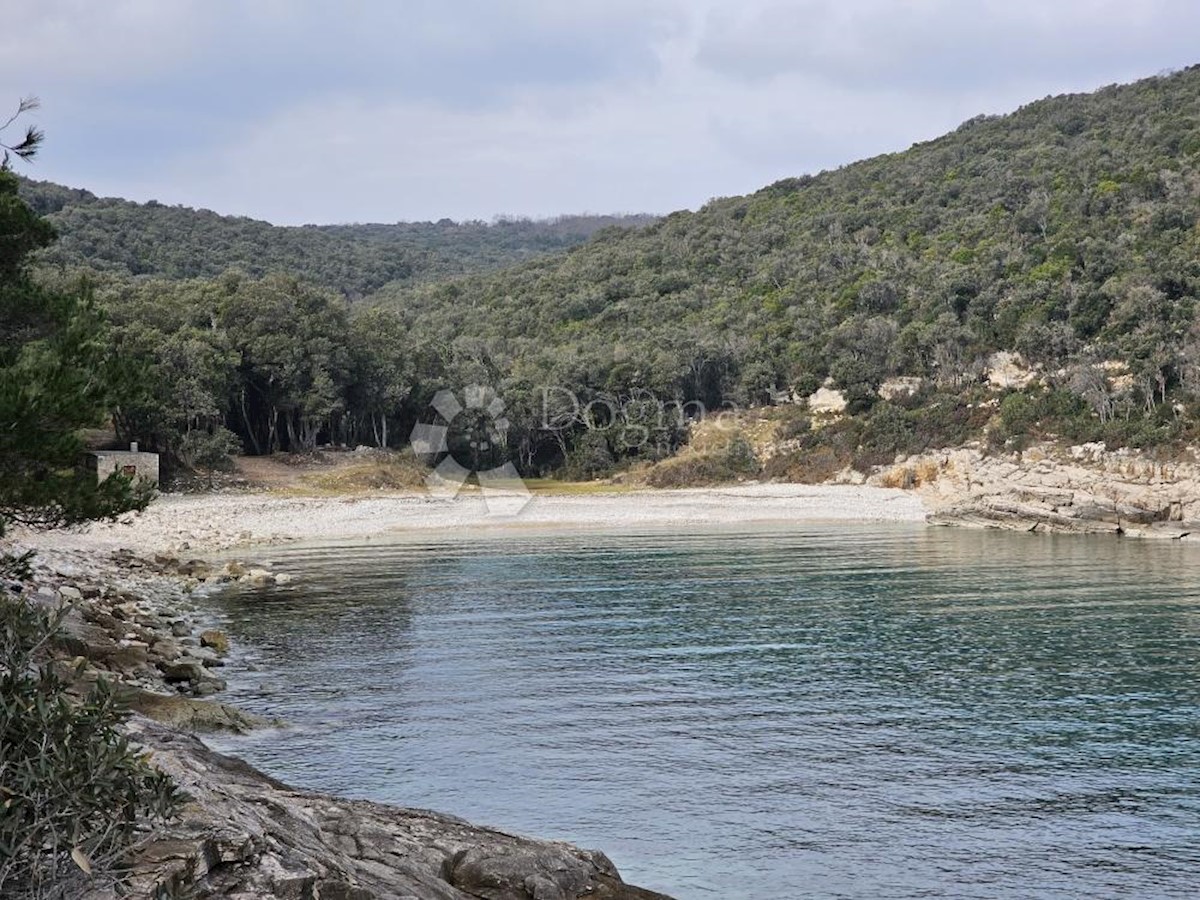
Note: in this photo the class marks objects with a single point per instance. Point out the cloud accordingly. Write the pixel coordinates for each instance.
(947, 45)
(76, 42)
(417, 160)
(302, 110)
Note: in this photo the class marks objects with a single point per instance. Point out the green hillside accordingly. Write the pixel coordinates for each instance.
(176, 242)
(1066, 232)
(1070, 222)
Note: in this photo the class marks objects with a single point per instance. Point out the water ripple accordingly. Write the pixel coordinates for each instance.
(830, 712)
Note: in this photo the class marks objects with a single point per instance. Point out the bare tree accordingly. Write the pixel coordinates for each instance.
(1090, 382)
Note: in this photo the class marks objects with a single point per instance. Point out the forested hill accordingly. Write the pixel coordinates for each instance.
(1066, 230)
(176, 242)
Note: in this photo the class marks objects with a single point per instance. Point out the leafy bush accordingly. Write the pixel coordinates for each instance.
(794, 421)
(73, 793)
(739, 456)
(211, 451)
(590, 457)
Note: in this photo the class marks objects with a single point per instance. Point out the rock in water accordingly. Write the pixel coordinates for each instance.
(190, 715)
(215, 639)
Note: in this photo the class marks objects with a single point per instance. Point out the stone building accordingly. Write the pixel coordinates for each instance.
(103, 463)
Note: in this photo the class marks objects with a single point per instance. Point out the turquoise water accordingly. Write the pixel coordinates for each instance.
(850, 711)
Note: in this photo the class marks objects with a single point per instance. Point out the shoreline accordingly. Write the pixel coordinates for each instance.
(137, 589)
(217, 523)
(142, 623)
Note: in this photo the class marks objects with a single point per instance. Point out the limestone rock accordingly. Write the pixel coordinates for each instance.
(257, 578)
(215, 639)
(827, 401)
(191, 715)
(182, 669)
(1085, 489)
(900, 387)
(246, 835)
(1007, 370)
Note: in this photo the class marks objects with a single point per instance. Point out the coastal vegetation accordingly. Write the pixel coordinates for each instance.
(54, 380)
(73, 791)
(1063, 235)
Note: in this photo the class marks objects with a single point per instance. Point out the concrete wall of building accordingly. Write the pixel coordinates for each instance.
(141, 465)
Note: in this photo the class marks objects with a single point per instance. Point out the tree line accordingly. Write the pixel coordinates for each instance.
(1065, 232)
(120, 237)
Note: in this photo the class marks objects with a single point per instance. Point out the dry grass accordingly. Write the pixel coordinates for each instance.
(815, 466)
(393, 472)
(691, 469)
(756, 427)
(912, 474)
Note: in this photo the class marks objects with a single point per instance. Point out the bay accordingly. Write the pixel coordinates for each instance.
(817, 711)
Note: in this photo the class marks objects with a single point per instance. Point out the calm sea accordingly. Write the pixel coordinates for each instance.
(849, 711)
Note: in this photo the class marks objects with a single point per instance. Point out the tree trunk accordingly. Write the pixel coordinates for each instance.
(249, 427)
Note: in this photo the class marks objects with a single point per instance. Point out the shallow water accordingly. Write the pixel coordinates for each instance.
(849, 711)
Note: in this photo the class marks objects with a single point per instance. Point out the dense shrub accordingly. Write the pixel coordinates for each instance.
(734, 461)
(591, 456)
(806, 466)
(74, 794)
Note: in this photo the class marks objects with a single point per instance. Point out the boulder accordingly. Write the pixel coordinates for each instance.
(827, 401)
(191, 715)
(183, 668)
(257, 578)
(1008, 371)
(215, 639)
(206, 655)
(208, 686)
(194, 568)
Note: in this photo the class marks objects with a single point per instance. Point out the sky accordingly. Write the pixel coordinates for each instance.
(300, 111)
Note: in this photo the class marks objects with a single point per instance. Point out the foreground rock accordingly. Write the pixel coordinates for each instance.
(248, 836)
(1085, 489)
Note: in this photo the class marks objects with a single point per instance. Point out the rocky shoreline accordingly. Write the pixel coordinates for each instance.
(1085, 489)
(138, 619)
(140, 622)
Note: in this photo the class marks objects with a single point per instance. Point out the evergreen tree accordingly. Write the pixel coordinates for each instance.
(52, 383)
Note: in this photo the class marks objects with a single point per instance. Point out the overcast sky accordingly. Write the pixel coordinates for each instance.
(384, 110)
